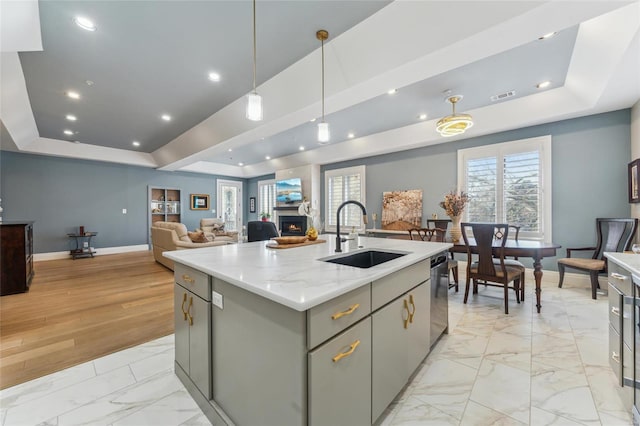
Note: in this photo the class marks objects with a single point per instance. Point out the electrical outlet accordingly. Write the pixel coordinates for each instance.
(216, 299)
(124, 211)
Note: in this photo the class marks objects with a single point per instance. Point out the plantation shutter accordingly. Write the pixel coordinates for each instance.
(266, 196)
(522, 190)
(340, 188)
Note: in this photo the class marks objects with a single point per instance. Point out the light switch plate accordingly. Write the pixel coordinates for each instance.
(216, 299)
(124, 211)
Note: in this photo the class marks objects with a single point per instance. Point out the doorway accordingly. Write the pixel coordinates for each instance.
(229, 204)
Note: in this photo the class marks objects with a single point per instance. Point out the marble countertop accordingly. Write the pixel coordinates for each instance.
(295, 277)
(630, 261)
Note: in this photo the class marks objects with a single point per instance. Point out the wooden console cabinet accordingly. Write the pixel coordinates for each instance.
(16, 257)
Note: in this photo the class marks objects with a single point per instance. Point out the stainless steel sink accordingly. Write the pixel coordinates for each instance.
(365, 259)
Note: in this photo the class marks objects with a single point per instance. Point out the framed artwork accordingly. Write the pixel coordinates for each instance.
(199, 202)
(401, 210)
(252, 204)
(634, 194)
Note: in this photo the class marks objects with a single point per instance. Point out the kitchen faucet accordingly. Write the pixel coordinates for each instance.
(364, 219)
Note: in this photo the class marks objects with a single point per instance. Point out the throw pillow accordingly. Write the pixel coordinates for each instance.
(197, 237)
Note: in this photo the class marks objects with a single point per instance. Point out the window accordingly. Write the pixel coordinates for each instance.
(266, 196)
(509, 183)
(342, 185)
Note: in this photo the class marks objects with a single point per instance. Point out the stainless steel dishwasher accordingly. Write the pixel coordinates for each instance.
(439, 296)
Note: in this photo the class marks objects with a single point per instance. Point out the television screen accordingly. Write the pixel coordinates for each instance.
(289, 190)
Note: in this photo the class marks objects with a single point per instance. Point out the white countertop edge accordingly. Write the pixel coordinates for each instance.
(630, 261)
(366, 275)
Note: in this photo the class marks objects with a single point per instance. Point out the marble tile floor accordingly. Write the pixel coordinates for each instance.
(491, 369)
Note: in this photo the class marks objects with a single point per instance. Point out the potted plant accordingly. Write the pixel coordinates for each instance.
(265, 216)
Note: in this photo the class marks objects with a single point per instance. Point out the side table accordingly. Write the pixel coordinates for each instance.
(83, 245)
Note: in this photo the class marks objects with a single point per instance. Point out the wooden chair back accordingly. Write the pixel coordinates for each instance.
(614, 235)
(427, 234)
(485, 237)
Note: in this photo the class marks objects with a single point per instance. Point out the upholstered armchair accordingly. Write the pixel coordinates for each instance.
(213, 229)
(169, 236)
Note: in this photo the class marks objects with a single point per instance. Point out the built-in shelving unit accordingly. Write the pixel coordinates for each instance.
(164, 206)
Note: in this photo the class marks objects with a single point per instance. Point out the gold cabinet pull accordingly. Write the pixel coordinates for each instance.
(349, 311)
(188, 279)
(413, 311)
(615, 311)
(352, 348)
(406, 308)
(619, 276)
(189, 311)
(184, 300)
(615, 357)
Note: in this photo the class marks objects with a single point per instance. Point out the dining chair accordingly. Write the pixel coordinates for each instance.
(613, 235)
(513, 262)
(437, 235)
(484, 268)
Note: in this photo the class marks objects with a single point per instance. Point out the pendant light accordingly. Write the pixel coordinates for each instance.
(323, 128)
(454, 124)
(254, 101)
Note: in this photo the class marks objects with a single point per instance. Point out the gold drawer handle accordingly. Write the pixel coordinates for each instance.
(413, 311)
(349, 311)
(615, 311)
(619, 276)
(184, 300)
(352, 348)
(188, 279)
(189, 311)
(406, 308)
(615, 357)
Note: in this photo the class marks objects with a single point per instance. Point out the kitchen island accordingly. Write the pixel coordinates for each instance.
(283, 337)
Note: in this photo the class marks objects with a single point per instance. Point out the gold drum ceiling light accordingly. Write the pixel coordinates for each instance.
(254, 101)
(323, 128)
(454, 124)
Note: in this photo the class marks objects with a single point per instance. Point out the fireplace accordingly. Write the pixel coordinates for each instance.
(292, 225)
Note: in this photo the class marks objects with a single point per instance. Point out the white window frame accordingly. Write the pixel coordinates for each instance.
(262, 183)
(361, 170)
(542, 144)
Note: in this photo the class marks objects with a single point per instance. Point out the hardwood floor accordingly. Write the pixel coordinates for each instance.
(78, 310)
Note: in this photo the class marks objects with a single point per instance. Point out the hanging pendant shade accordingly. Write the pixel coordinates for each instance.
(254, 101)
(323, 127)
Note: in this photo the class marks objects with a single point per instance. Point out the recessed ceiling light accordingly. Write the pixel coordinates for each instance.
(312, 120)
(89, 83)
(422, 116)
(392, 91)
(543, 84)
(351, 135)
(230, 150)
(166, 117)
(240, 164)
(301, 148)
(71, 117)
(73, 95)
(85, 23)
(136, 143)
(214, 76)
(68, 132)
(548, 35)
(267, 157)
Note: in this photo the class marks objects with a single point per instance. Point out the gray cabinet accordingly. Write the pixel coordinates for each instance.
(621, 331)
(192, 315)
(400, 333)
(339, 374)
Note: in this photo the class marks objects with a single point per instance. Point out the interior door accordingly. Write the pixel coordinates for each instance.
(230, 204)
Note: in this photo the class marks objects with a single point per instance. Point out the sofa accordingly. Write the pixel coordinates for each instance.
(169, 236)
(213, 229)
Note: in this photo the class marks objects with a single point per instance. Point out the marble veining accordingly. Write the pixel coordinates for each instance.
(492, 369)
(295, 277)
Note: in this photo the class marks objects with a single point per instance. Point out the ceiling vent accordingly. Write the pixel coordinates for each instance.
(504, 95)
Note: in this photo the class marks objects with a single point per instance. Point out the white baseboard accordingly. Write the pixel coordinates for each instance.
(571, 279)
(57, 255)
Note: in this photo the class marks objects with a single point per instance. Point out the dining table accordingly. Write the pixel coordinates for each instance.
(537, 250)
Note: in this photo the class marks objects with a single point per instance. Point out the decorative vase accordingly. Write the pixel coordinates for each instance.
(456, 232)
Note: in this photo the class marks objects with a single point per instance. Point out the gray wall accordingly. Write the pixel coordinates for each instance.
(60, 194)
(589, 156)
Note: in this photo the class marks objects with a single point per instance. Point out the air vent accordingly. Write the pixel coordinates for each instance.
(504, 95)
